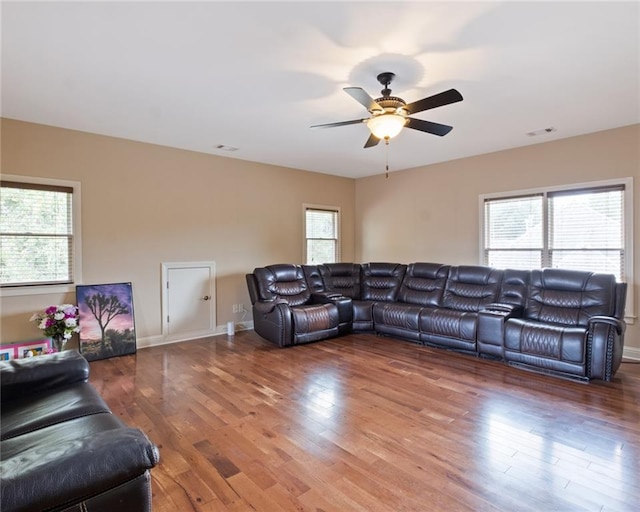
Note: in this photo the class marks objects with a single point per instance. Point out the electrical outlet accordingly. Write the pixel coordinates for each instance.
(241, 308)
(234, 309)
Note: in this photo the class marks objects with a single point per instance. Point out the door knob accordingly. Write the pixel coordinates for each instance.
(206, 297)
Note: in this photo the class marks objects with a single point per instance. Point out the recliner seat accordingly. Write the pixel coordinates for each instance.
(285, 311)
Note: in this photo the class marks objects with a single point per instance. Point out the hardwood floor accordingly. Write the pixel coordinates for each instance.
(366, 423)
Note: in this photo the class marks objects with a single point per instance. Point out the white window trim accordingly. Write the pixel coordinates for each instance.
(308, 206)
(77, 240)
(630, 311)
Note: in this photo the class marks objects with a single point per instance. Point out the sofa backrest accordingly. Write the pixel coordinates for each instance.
(381, 281)
(515, 286)
(313, 277)
(283, 281)
(424, 284)
(570, 297)
(471, 288)
(343, 278)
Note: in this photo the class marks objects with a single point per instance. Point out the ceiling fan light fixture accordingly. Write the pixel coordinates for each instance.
(385, 126)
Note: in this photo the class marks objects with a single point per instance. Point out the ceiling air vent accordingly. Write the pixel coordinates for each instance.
(544, 131)
(223, 147)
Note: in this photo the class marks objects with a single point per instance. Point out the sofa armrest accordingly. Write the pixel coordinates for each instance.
(49, 474)
(605, 346)
(513, 310)
(619, 325)
(23, 377)
(324, 297)
(344, 305)
(491, 327)
(264, 307)
(272, 321)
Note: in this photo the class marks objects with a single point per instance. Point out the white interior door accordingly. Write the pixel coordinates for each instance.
(189, 299)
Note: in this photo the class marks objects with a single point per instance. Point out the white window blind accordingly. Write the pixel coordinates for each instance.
(586, 230)
(36, 234)
(514, 235)
(322, 235)
(580, 229)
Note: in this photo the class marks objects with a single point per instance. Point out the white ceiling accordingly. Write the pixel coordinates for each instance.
(257, 75)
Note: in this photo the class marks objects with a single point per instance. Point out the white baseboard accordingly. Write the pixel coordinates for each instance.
(631, 353)
(155, 341)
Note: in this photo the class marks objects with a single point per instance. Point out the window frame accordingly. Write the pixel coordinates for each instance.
(627, 183)
(319, 207)
(76, 247)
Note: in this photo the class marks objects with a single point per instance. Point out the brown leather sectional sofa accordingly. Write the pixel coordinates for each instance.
(564, 322)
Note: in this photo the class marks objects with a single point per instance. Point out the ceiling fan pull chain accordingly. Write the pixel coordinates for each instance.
(386, 156)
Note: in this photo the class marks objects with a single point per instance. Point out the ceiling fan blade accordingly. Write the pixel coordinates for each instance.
(437, 100)
(371, 141)
(342, 123)
(428, 126)
(362, 97)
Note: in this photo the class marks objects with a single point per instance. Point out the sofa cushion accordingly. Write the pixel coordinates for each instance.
(397, 318)
(381, 281)
(514, 287)
(561, 342)
(69, 463)
(49, 408)
(424, 284)
(448, 323)
(314, 317)
(282, 281)
(34, 375)
(569, 297)
(471, 288)
(343, 278)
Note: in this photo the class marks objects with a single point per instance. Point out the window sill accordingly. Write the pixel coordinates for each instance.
(37, 290)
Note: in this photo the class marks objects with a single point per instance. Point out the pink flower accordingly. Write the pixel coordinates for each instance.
(51, 310)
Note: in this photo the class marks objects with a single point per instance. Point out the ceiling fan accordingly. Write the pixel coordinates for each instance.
(389, 114)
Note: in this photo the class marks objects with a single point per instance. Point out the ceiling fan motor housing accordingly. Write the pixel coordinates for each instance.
(392, 104)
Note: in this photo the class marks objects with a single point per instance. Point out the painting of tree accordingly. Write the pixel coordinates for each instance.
(106, 320)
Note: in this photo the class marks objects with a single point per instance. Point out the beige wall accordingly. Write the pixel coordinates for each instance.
(144, 204)
(431, 213)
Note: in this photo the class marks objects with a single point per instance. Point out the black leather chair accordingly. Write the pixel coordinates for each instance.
(284, 309)
(61, 449)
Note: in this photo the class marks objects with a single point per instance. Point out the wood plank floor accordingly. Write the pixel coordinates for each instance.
(366, 423)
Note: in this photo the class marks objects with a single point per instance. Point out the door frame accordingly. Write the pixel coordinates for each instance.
(165, 300)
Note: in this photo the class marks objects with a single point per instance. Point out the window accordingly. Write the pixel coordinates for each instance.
(582, 227)
(38, 227)
(322, 239)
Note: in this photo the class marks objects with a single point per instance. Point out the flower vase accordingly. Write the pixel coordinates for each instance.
(59, 342)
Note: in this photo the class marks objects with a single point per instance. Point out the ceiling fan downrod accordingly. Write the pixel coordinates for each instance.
(385, 79)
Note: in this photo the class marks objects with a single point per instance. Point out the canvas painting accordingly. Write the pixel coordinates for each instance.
(106, 320)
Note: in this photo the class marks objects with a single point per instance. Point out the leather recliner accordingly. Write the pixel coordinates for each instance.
(284, 309)
(569, 324)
